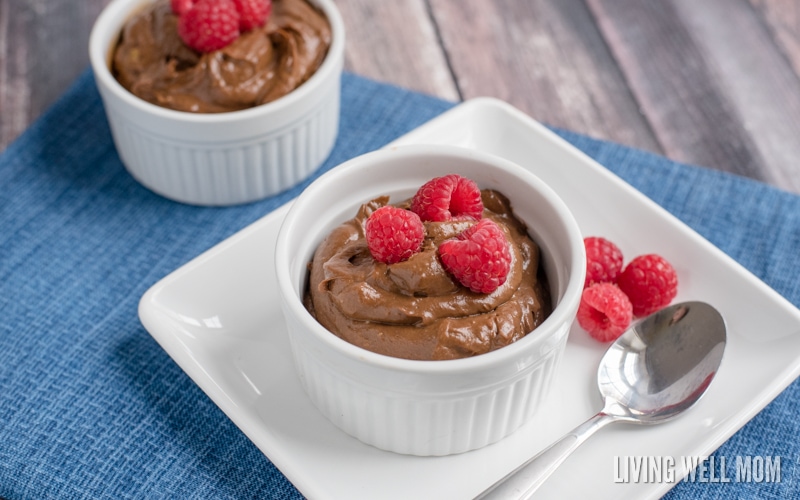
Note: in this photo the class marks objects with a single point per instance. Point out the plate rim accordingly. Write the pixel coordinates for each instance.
(150, 319)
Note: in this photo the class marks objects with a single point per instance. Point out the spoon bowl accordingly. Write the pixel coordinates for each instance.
(664, 364)
(653, 372)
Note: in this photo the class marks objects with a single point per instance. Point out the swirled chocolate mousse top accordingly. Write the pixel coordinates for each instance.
(155, 59)
(421, 280)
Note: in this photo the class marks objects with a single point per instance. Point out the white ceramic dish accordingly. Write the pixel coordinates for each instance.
(218, 317)
(421, 407)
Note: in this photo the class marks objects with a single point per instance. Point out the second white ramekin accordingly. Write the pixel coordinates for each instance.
(220, 158)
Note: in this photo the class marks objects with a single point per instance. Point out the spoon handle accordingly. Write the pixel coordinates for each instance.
(522, 482)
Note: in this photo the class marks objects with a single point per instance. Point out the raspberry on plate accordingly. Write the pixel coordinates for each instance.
(479, 257)
(209, 25)
(650, 282)
(448, 197)
(393, 234)
(604, 311)
(603, 260)
(252, 13)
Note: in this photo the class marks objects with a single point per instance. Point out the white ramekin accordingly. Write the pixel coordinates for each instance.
(220, 158)
(427, 407)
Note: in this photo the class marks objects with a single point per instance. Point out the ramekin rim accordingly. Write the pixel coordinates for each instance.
(328, 69)
(560, 314)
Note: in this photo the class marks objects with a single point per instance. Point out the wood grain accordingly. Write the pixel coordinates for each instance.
(711, 83)
(676, 85)
(546, 58)
(396, 42)
(758, 82)
(714, 83)
(43, 48)
(783, 20)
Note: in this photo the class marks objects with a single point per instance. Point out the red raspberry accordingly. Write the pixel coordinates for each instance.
(479, 257)
(209, 25)
(603, 261)
(446, 198)
(181, 7)
(605, 311)
(650, 282)
(252, 13)
(393, 234)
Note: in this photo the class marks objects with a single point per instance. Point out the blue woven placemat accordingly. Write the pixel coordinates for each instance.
(92, 407)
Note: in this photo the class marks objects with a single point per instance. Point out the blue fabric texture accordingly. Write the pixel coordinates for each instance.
(92, 407)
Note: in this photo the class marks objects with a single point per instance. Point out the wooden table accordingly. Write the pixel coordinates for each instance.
(707, 82)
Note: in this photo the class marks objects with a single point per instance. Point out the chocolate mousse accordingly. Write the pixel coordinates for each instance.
(263, 64)
(415, 309)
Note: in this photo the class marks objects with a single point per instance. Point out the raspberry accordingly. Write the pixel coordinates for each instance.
(446, 198)
(479, 257)
(209, 25)
(181, 7)
(393, 234)
(252, 13)
(603, 261)
(604, 312)
(650, 282)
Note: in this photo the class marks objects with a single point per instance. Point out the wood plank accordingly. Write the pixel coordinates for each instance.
(545, 57)
(670, 77)
(14, 89)
(396, 42)
(783, 20)
(756, 78)
(710, 82)
(43, 48)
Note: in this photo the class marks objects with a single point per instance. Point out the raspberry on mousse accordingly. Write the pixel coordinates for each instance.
(209, 25)
(447, 198)
(479, 257)
(393, 234)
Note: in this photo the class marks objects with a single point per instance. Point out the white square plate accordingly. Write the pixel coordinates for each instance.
(218, 317)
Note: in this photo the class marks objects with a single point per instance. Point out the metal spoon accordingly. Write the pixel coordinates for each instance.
(657, 369)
